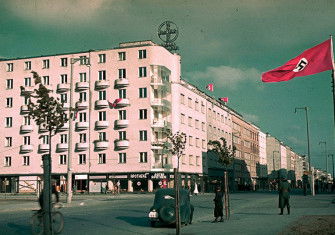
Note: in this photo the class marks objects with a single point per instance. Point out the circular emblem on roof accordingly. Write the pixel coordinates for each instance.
(168, 32)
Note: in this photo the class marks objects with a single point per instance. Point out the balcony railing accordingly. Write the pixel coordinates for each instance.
(101, 84)
(101, 125)
(64, 87)
(81, 105)
(43, 148)
(101, 145)
(26, 148)
(64, 128)
(121, 144)
(161, 103)
(161, 124)
(82, 86)
(62, 147)
(24, 109)
(121, 123)
(101, 104)
(27, 90)
(42, 129)
(80, 126)
(66, 106)
(157, 144)
(81, 146)
(123, 103)
(119, 83)
(26, 129)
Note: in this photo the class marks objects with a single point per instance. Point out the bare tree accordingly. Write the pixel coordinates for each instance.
(46, 111)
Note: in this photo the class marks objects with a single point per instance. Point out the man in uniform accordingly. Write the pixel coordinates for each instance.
(284, 195)
(218, 205)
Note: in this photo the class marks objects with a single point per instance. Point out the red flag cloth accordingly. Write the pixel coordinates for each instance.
(210, 87)
(314, 60)
(224, 99)
(111, 105)
(115, 102)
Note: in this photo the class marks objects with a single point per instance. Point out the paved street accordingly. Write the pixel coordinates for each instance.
(252, 213)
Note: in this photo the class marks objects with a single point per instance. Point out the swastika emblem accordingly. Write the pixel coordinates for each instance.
(301, 65)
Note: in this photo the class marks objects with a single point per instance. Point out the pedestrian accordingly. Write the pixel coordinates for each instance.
(284, 195)
(218, 205)
(195, 192)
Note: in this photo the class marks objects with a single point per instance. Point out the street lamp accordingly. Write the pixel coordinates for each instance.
(308, 149)
(85, 61)
(232, 144)
(325, 143)
(333, 165)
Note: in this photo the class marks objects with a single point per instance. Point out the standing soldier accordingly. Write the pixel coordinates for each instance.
(218, 205)
(304, 183)
(284, 195)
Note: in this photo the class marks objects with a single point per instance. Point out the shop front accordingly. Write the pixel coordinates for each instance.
(80, 183)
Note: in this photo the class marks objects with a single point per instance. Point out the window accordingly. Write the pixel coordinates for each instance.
(189, 121)
(26, 120)
(45, 139)
(102, 58)
(189, 102)
(191, 160)
(196, 105)
(203, 126)
(8, 161)
(63, 139)
(27, 65)
(122, 157)
(202, 107)
(45, 80)
(196, 124)
(63, 62)
(102, 95)
(82, 77)
(63, 98)
(26, 100)
(190, 140)
(82, 117)
(82, 138)
(142, 54)
(84, 60)
(122, 93)
(102, 75)
(82, 97)
(9, 121)
(9, 102)
(26, 160)
(122, 56)
(203, 144)
(9, 83)
(197, 160)
(143, 136)
(26, 140)
(27, 82)
(182, 98)
(142, 72)
(143, 92)
(143, 157)
(102, 116)
(183, 159)
(197, 142)
(122, 135)
(46, 64)
(102, 136)
(63, 78)
(122, 73)
(143, 114)
(10, 67)
(182, 118)
(82, 159)
(102, 158)
(8, 141)
(62, 159)
(122, 115)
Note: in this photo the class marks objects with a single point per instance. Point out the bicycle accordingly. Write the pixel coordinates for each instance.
(57, 220)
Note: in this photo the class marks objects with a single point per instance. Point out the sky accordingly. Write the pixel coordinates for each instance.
(225, 42)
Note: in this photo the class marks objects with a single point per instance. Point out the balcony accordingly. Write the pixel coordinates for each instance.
(81, 146)
(26, 129)
(101, 84)
(64, 128)
(82, 86)
(24, 109)
(43, 148)
(62, 147)
(81, 105)
(101, 104)
(101, 145)
(66, 106)
(101, 125)
(80, 126)
(157, 145)
(42, 129)
(26, 148)
(121, 144)
(123, 103)
(121, 123)
(63, 87)
(27, 90)
(165, 104)
(161, 124)
(119, 83)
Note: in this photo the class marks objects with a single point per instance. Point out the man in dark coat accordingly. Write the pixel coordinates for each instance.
(284, 195)
(218, 205)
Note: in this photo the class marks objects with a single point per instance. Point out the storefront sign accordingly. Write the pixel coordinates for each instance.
(118, 176)
(158, 176)
(138, 183)
(80, 177)
(139, 176)
(97, 177)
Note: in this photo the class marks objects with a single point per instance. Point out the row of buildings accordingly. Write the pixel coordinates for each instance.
(123, 146)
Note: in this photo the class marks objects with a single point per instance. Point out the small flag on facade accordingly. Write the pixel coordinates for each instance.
(314, 60)
(224, 99)
(116, 101)
(210, 87)
(110, 104)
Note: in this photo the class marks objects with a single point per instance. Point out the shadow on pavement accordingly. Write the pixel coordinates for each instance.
(19, 228)
(136, 221)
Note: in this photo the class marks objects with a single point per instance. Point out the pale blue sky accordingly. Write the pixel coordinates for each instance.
(225, 42)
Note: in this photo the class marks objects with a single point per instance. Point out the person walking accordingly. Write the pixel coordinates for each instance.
(218, 205)
(284, 195)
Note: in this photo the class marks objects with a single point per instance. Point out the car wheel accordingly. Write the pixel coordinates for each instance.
(167, 214)
(153, 224)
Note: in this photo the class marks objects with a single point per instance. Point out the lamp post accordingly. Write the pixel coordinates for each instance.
(325, 143)
(232, 144)
(85, 61)
(333, 165)
(273, 160)
(308, 150)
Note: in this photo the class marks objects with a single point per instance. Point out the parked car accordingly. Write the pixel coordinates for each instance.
(163, 210)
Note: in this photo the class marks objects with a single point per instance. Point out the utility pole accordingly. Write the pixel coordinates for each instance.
(325, 143)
